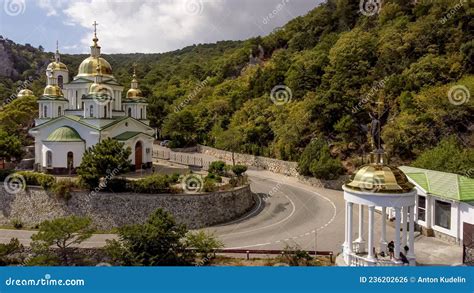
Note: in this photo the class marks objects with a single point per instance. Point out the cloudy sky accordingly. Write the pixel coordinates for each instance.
(148, 26)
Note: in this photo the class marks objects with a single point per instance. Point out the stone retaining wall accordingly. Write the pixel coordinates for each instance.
(110, 210)
(273, 165)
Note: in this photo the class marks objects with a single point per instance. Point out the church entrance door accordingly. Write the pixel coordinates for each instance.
(138, 156)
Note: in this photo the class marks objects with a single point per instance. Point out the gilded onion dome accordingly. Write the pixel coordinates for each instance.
(56, 64)
(25, 93)
(53, 91)
(88, 67)
(134, 93)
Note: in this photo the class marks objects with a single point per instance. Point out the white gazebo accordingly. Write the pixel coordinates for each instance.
(378, 185)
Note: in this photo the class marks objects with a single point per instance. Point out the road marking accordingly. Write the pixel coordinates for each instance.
(268, 226)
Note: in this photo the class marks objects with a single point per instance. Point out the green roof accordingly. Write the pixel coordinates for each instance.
(64, 134)
(128, 134)
(445, 185)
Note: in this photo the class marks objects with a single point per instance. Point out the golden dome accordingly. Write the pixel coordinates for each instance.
(53, 90)
(134, 94)
(88, 67)
(25, 93)
(97, 88)
(379, 178)
(57, 66)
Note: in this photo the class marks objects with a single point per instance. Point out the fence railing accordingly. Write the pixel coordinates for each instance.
(182, 158)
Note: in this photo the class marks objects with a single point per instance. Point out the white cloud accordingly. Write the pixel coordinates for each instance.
(163, 25)
(50, 6)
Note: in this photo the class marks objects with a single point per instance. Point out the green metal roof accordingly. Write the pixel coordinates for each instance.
(64, 134)
(128, 134)
(445, 185)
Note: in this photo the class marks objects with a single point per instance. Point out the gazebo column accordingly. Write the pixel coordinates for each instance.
(345, 226)
(349, 226)
(411, 243)
(404, 226)
(371, 233)
(397, 233)
(360, 242)
(383, 238)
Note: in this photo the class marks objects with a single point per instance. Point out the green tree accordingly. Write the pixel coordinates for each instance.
(447, 156)
(204, 244)
(62, 234)
(105, 157)
(10, 146)
(157, 242)
(181, 128)
(7, 250)
(230, 140)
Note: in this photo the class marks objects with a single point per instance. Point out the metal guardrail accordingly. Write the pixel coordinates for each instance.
(182, 158)
(248, 252)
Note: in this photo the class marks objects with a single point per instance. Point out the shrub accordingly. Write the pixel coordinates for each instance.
(155, 183)
(310, 154)
(174, 178)
(209, 185)
(239, 170)
(37, 179)
(205, 244)
(217, 167)
(326, 167)
(316, 161)
(116, 185)
(214, 177)
(62, 189)
(4, 173)
(17, 223)
(157, 242)
(9, 249)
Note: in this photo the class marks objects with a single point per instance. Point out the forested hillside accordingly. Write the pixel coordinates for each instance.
(316, 79)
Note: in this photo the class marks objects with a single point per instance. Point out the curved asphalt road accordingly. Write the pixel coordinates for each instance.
(287, 213)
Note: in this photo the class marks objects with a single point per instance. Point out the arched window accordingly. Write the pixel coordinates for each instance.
(45, 111)
(141, 113)
(60, 81)
(49, 159)
(91, 111)
(129, 112)
(105, 111)
(59, 111)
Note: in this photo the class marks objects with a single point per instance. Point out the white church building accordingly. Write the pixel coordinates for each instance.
(77, 114)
